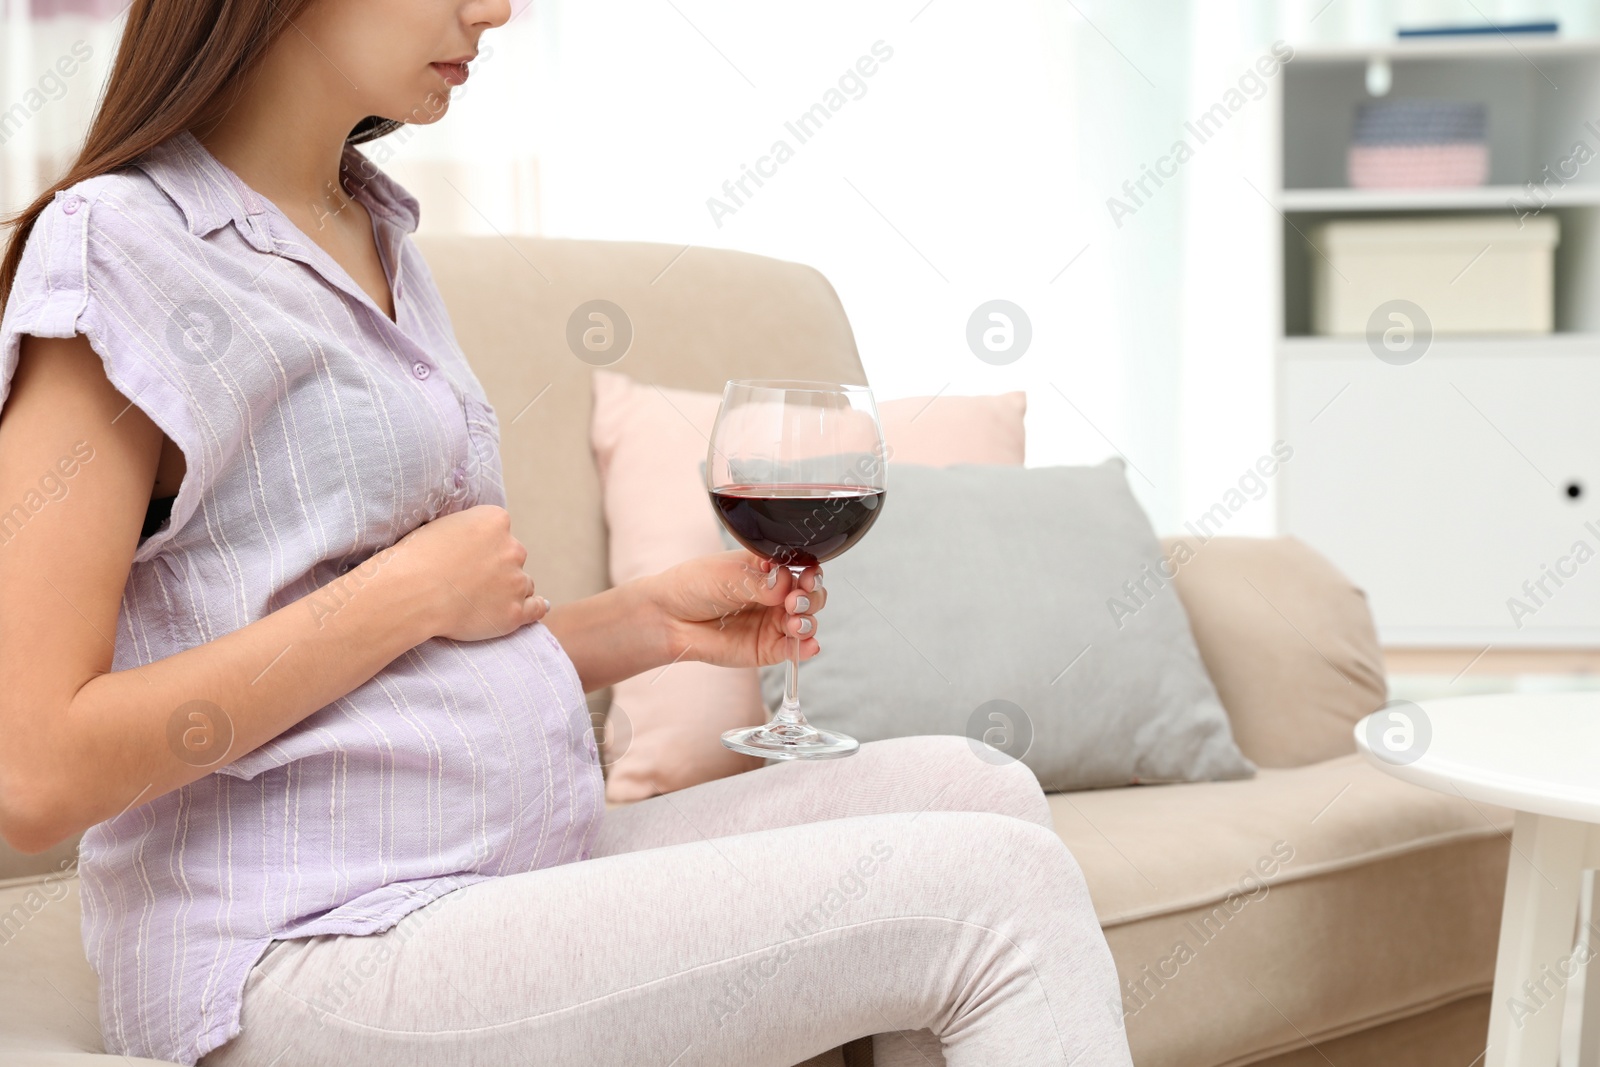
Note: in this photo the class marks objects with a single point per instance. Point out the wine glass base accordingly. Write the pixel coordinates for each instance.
(785, 741)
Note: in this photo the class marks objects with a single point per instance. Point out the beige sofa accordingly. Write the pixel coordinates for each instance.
(1372, 940)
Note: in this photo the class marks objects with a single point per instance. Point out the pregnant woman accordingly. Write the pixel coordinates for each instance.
(266, 640)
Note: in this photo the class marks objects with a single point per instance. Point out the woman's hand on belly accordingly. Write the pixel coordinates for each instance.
(474, 566)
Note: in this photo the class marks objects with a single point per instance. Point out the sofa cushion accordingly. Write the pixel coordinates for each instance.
(938, 622)
(1288, 642)
(1248, 916)
(1448, 1036)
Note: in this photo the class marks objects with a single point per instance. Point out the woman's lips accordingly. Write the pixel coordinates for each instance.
(453, 73)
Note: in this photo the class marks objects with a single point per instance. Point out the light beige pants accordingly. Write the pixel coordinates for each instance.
(753, 921)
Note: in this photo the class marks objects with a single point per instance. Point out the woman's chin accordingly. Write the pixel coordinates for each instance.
(427, 116)
(426, 107)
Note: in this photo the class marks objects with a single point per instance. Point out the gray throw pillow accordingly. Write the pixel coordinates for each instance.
(1027, 608)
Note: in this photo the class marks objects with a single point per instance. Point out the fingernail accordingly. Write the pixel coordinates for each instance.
(806, 626)
(546, 601)
(802, 603)
(816, 581)
(772, 577)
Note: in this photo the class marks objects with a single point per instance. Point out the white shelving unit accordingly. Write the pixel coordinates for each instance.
(1449, 487)
(1372, 201)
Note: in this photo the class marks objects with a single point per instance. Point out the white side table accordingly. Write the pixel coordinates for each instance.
(1540, 755)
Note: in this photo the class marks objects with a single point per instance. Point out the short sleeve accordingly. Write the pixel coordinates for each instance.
(96, 266)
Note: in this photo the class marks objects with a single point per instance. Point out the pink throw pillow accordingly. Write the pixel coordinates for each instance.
(664, 731)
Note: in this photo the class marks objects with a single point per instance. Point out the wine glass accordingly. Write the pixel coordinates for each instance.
(796, 474)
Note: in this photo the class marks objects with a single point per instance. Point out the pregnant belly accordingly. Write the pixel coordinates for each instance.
(460, 758)
(446, 708)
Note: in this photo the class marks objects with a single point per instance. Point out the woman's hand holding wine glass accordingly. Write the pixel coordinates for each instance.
(735, 609)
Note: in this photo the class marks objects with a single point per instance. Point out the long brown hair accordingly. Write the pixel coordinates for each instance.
(180, 64)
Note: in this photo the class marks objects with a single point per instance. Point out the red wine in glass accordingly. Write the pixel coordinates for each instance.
(796, 474)
(797, 525)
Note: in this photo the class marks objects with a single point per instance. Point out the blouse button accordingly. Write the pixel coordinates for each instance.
(71, 203)
(421, 370)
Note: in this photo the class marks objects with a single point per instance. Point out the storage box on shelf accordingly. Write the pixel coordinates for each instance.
(1418, 144)
(1467, 274)
(1454, 481)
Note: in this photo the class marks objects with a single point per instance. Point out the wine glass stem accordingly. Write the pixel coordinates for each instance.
(788, 714)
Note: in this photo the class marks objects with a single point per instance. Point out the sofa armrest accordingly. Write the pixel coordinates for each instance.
(1288, 641)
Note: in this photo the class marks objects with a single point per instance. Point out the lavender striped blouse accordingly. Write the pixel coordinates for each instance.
(316, 431)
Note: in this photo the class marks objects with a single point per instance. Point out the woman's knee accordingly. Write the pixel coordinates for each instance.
(1030, 865)
(964, 775)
